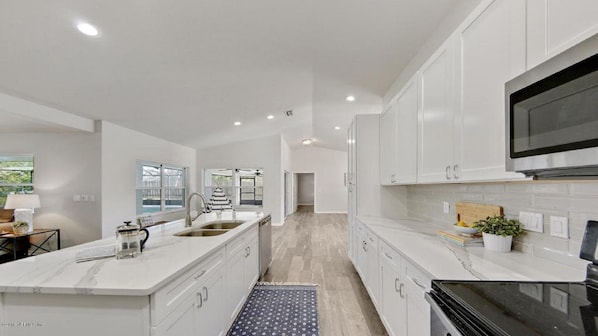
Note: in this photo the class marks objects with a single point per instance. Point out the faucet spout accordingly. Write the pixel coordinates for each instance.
(206, 209)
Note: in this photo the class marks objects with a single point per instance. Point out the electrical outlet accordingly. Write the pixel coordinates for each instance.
(446, 207)
(559, 226)
(532, 221)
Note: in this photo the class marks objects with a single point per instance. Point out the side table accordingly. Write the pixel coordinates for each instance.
(8, 241)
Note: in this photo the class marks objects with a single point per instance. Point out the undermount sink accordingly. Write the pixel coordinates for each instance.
(222, 224)
(200, 233)
(210, 229)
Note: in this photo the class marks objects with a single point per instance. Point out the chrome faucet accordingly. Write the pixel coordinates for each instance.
(206, 209)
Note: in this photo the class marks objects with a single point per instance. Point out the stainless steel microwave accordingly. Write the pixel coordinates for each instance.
(552, 116)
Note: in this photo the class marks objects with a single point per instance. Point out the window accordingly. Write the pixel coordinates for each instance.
(16, 175)
(160, 187)
(242, 187)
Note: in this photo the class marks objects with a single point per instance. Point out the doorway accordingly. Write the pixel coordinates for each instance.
(306, 192)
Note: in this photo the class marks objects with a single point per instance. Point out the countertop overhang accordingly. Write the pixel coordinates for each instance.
(164, 257)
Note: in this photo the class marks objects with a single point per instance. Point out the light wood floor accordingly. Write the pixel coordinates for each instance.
(312, 248)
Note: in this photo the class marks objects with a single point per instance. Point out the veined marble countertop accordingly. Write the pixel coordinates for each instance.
(164, 257)
(439, 259)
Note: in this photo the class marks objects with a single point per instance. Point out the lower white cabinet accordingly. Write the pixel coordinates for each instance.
(397, 290)
(242, 270)
(193, 302)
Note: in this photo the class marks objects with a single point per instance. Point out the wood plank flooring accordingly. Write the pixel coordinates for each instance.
(312, 248)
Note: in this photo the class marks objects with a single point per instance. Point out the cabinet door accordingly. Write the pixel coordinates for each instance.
(391, 302)
(236, 289)
(417, 310)
(373, 268)
(252, 264)
(406, 140)
(436, 117)
(556, 25)
(210, 316)
(181, 321)
(362, 253)
(493, 51)
(388, 145)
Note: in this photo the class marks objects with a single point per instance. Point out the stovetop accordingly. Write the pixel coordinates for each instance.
(525, 308)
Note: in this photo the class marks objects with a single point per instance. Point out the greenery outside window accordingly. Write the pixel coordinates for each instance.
(16, 175)
(244, 187)
(160, 187)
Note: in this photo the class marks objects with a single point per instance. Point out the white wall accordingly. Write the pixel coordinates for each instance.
(329, 167)
(121, 148)
(66, 164)
(305, 188)
(258, 153)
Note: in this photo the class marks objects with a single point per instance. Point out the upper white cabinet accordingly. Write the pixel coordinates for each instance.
(490, 49)
(436, 121)
(407, 108)
(388, 145)
(555, 25)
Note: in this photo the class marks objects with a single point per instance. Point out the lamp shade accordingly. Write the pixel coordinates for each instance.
(22, 201)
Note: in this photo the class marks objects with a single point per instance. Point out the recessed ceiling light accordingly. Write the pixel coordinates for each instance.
(350, 98)
(237, 123)
(87, 29)
(337, 128)
(306, 141)
(270, 117)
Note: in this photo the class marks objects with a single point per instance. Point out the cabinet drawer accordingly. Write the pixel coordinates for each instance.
(168, 298)
(241, 241)
(418, 278)
(390, 255)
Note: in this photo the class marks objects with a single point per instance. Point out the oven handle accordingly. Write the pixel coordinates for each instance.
(436, 310)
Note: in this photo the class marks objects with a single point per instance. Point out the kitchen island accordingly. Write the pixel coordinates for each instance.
(176, 284)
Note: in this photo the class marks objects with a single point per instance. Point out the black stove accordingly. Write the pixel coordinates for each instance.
(514, 308)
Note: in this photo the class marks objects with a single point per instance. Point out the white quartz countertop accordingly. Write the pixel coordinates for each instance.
(164, 257)
(417, 242)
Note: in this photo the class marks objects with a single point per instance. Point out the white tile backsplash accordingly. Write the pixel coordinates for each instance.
(578, 201)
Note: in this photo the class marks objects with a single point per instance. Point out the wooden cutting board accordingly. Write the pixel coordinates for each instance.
(472, 212)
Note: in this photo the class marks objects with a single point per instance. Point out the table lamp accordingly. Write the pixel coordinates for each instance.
(23, 205)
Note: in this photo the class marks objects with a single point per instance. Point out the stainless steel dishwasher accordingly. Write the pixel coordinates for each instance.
(265, 244)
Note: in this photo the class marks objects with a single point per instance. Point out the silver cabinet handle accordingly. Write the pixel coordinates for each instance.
(393, 178)
(456, 171)
(364, 245)
(447, 170)
(199, 300)
(397, 288)
(401, 294)
(199, 275)
(205, 290)
(388, 255)
(417, 283)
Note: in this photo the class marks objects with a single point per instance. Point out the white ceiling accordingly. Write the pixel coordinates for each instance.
(185, 70)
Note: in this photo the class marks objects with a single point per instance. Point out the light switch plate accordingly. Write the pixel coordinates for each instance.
(559, 226)
(532, 221)
(446, 207)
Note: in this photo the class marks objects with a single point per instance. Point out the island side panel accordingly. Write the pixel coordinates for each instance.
(89, 315)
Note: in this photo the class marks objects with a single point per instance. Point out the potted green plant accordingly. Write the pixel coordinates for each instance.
(498, 232)
(20, 227)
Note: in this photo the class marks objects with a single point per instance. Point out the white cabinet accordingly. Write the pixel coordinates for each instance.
(363, 182)
(367, 261)
(407, 110)
(388, 145)
(392, 305)
(193, 302)
(242, 270)
(403, 308)
(436, 121)
(490, 47)
(555, 25)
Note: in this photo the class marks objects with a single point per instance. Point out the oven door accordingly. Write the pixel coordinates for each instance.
(440, 324)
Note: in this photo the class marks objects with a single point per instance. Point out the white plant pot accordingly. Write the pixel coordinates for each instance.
(497, 243)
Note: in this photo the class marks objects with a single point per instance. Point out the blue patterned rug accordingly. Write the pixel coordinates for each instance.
(278, 310)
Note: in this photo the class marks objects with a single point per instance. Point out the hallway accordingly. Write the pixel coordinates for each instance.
(312, 248)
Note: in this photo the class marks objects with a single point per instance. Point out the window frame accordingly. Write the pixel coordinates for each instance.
(235, 190)
(163, 189)
(19, 188)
